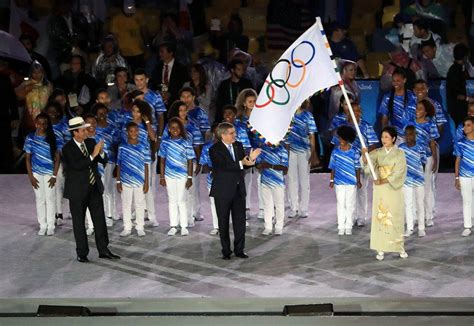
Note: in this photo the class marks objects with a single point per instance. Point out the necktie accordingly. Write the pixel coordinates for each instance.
(231, 151)
(91, 173)
(165, 77)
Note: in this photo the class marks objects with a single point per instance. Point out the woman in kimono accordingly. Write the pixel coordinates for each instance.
(388, 205)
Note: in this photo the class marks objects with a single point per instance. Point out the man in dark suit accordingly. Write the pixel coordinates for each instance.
(228, 187)
(84, 189)
(169, 75)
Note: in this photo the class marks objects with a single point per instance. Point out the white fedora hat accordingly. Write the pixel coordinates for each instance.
(77, 123)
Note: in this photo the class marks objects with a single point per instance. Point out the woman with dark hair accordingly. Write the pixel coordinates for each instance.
(398, 107)
(201, 87)
(348, 74)
(388, 216)
(42, 163)
(342, 114)
(108, 60)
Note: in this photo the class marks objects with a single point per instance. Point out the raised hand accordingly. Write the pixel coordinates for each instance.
(98, 148)
(254, 153)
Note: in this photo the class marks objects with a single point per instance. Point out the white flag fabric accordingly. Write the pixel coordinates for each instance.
(304, 68)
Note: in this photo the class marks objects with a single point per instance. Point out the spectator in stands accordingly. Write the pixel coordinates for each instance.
(250, 72)
(422, 33)
(30, 44)
(234, 38)
(215, 70)
(172, 33)
(401, 60)
(120, 87)
(107, 61)
(131, 34)
(201, 86)
(169, 75)
(456, 93)
(348, 71)
(428, 9)
(79, 86)
(230, 88)
(342, 47)
(436, 60)
(36, 91)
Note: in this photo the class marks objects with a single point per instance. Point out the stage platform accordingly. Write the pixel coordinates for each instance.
(308, 262)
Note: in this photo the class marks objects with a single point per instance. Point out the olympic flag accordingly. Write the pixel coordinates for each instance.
(304, 68)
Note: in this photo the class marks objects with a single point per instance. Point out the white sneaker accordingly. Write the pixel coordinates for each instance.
(403, 255)
(348, 231)
(199, 218)
(214, 232)
(408, 233)
(141, 233)
(465, 233)
(109, 221)
(421, 233)
(42, 231)
(116, 217)
(50, 232)
(380, 256)
(190, 224)
(293, 214)
(247, 224)
(154, 223)
(90, 231)
(429, 223)
(184, 232)
(278, 231)
(172, 231)
(267, 232)
(59, 221)
(303, 215)
(125, 233)
(341, 232)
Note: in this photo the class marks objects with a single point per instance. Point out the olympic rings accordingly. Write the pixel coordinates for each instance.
(283, 83)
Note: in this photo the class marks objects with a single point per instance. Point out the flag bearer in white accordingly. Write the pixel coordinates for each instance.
(273, 165)
(345, 177)
(132, 180)
(464, 172)
(302, 154)
(414, 186)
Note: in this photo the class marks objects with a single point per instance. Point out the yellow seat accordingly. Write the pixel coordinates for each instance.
(254, 20)
(375, 61)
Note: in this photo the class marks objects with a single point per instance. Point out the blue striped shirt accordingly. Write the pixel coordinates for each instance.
(345, 165)
(193, 134)
(303, 126)
(276, 156)
(110, 135)
(465, 150)
(155, 100)
(338, 120)
(41, 161)
(440, 116)
(416, 158)
(242, 136)
(177, 152)
(402, 114)
(58, 129)
(205, 159)
(107, 146)
(367, 131)
(199, 117)
(132, 160)
(142, 139)
(425, 132)
(255, 142)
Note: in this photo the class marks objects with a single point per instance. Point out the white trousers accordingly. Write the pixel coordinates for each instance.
(59, 189)
(273, 203)
(414, 206)
(360, 212)
(177, 202)
(136, 196)
(346, 199)
(435, 180)
(298, 178)
(110, 190)
(150, 195)
(45, 202)
(251, 175)
(429, 194)
(467, 187)
(215, 222)
(193, 197)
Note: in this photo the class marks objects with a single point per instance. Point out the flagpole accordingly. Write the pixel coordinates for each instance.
(359, 134)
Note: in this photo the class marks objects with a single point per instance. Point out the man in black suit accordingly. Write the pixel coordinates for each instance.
(228, 187)
(84, 189)
(169, 75)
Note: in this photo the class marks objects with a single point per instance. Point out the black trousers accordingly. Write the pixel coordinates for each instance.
(94, 202)
(224, 207)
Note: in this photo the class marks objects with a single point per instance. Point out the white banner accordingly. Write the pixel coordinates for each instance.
(304, 68)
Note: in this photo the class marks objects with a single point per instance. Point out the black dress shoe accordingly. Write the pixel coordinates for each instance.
(242, 255)
(109, 255)
(82, 259)
(226, 257)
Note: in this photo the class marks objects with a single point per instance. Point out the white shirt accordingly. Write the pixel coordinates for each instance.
(80, 144)
(170, 67)
(230, 148)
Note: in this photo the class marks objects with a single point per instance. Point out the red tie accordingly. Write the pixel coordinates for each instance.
(165, 77)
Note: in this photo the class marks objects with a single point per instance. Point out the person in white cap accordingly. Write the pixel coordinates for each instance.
(83, 187)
